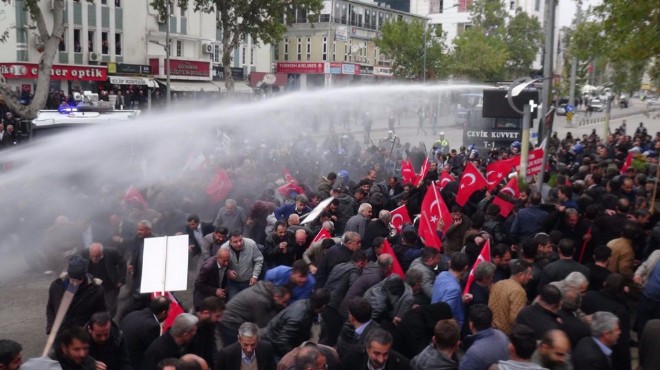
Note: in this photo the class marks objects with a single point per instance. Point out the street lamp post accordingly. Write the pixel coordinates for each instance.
(514, 90)
(167, 54)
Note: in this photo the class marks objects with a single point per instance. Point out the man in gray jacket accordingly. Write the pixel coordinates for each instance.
(245, 263)
(427, 264)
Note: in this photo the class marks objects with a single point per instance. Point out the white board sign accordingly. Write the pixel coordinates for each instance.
(165, 264)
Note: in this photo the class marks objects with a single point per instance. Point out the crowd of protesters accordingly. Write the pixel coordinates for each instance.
(573, 280)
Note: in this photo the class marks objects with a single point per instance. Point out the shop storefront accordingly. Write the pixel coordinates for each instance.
(318, 75)
(186, 76)
(68, 78)
(268, 82)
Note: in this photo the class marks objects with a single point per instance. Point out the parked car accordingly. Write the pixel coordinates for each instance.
(595, 105)
(561, 110)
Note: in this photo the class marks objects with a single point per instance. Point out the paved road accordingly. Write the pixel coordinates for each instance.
(23, 297)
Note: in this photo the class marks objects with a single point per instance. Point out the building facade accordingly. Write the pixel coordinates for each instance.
(336, 48)
(112, 44)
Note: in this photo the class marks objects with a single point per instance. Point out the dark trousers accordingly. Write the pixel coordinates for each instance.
(332, 324)
(235, 287)
(648, 309)
(229, 336)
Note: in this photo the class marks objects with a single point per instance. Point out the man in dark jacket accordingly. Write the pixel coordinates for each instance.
(415, 330)
(248, 349)
(493, 225)
(530, 220)
(376, 354)
(110, 267)
(87, 299)
(379, 227)
(258, 304)
(350, 242)
(558, 270)
(107, 344)
(72, 350)
(293, 325)
(203, 343)
(212, 278)
(279, 248)
(172, 343)
(372, 274)
(357, 328)
(456, 232)
(196, 231)
(593, 353)
(542, 315)
(143, 327)
(342, 277)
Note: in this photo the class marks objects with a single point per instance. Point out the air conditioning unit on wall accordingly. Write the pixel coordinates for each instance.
(162, 19)
(208, 48)
(94, 57)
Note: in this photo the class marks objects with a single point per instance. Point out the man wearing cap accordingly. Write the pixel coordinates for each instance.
(87, 300)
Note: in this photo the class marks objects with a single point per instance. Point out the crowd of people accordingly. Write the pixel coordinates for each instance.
(573, 280)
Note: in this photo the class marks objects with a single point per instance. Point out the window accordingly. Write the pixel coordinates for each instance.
(104, 2)
(117, 3)
(90, 41)
(325, 48)
(334, 51)
(299, 49)
(215, 57)
(309, 49)
(512, 5)
(243, 55)
(77, 42)
(179, 48)
(286, 49)
(346, 49)
(105, 44)
(62, 45)
(537, 5)
(118, 43)
(252, 56)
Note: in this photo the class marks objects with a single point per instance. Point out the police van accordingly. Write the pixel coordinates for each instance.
(87, 111)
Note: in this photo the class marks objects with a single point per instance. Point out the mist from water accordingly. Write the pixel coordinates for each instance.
(170, 156)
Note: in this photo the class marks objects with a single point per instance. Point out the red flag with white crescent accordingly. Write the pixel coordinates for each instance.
(445, 178)
(471, 181)
(483, 256)
(322, 234)
(219, 187)
(396, 266)
(513, 190)
(423, 171)
(407, 172)
(498, 171)
(627, 163)
(175, 309)
(134, 197)
(433, 209)
(400, 217)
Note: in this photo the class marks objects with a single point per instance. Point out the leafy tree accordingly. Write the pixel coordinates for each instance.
(478, 56)
(524, 38)
(264, 21)
(489, 15)
(51, 34)
(404, 43)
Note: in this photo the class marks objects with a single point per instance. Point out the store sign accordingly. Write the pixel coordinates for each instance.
(119, 80)
(383, 71)
(366, 70)
(335, 68)
(312, 68)
(349, 69)
(219, 73)
(361, 33)
(138, 69)
(30, 71)
(188, 68)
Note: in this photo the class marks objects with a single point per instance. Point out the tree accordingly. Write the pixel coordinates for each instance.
(524, 38)
(403, 42)
(51, 39)
(478, 56)
(264, 21)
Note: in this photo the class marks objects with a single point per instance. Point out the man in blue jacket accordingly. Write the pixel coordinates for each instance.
(297, 278)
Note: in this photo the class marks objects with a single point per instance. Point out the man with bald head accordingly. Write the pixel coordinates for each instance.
(110, 267)
(554, 351)
(212, 278)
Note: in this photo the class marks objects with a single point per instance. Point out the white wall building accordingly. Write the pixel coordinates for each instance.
(108, 40)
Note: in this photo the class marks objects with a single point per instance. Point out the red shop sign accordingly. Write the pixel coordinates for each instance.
(184, 68)
(30, 71)
(300, 67)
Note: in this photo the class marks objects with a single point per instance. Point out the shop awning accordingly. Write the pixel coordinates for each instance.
(263, 79)
(127, 80)
(191, 86)
(239, 87)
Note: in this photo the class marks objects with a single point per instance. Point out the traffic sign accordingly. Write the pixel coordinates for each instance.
(569, 116)
(569, 108)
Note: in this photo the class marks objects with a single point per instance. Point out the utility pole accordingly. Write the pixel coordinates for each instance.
(574, 60)
(544, 132)
(167, 53)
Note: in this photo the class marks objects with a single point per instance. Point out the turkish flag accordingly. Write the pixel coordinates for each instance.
(445, 178)
(627, 163)
(512, 189)
(471, 181)
(400, 217)
(423, 171)
(323, 234)
(407, 172)
(497, 171)
(175, 309)
(396, 266)
(291, 185)
(433, 209)
(483, 256)
(219, 187)
(134, 197)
